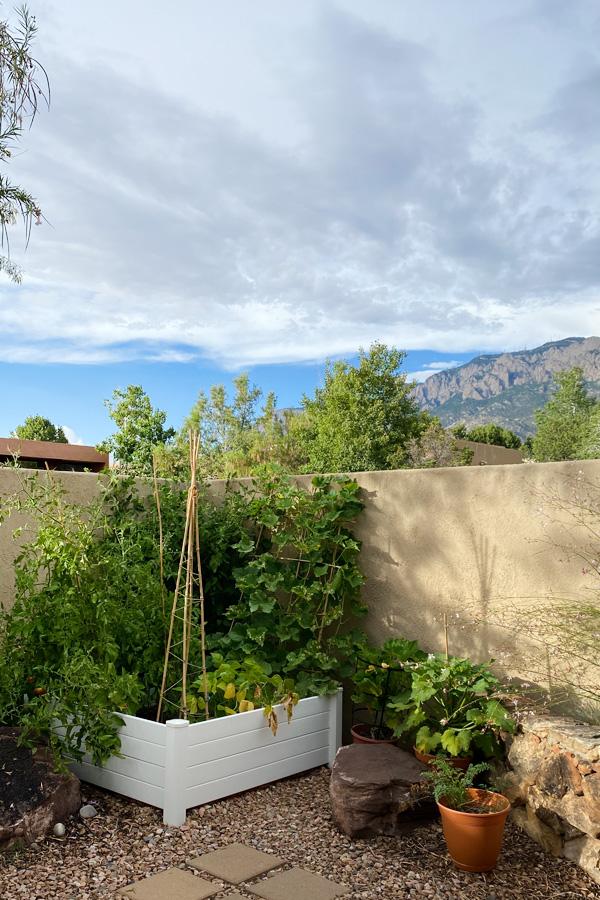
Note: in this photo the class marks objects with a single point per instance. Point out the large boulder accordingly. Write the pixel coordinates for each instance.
(378, 790)
(33, 797)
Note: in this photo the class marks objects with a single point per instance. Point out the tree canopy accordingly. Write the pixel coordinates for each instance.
(488, 434)
(563, 425)
(23, 82)
(363, 416)
(38, 428)
(141, 430)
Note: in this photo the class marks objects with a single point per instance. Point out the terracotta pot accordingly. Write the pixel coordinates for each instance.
(474, 839)
(457, 762)
(360, 733)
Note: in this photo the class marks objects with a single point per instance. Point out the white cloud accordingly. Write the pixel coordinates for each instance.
(71, 436)
(438, 366)
(177, 233)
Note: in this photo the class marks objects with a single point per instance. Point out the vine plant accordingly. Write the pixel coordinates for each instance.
(300, 581)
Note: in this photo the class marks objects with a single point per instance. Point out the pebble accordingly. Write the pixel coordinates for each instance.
(59, 829)
(88, 812)
(112, 850)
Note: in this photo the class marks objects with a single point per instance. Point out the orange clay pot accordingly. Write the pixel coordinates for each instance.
(474, 838)
(360, 735)
(457, 762)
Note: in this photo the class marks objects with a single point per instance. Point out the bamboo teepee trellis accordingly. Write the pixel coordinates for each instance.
(189, 582)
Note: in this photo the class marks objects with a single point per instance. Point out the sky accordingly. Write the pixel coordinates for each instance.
(262, 186)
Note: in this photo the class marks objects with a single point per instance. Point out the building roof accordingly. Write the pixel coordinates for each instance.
(74, 457)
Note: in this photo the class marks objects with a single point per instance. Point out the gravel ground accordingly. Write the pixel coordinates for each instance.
(127, 841)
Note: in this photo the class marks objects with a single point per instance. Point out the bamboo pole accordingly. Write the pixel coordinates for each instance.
(160, 535)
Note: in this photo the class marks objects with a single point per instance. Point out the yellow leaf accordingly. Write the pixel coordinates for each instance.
(240, 696)
(244, 705)
(229, 691)
(257, 692)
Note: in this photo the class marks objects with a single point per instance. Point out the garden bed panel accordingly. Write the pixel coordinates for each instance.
(177, 766)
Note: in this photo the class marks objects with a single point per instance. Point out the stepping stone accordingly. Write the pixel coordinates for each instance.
(234, 897)
(236, 863)
(299, 885)
(172, 884)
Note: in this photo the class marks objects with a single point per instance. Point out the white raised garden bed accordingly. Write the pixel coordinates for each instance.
(178, 766)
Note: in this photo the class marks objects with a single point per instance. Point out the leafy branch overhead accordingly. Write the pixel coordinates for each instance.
(23, 82)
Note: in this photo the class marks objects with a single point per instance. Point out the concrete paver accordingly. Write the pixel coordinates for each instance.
(172, 884)
(236, 863)
(297, 884)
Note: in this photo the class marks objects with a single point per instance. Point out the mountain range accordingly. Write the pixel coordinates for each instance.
(506, 388)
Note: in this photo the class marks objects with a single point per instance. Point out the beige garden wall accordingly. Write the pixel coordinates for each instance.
(434, 541)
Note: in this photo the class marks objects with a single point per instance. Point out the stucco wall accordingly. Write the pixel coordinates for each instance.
(434, 540)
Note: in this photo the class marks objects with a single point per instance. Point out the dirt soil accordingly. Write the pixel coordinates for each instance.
(21, 778)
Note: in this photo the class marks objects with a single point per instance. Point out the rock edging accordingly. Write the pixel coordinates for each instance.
(554, 786)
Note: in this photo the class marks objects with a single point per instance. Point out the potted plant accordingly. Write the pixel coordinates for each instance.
(473, 819)
(453, 709)
(382, 688)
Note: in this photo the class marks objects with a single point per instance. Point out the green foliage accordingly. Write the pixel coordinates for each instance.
(382, 681)
(435, 448)
(454, 707)
(299, 581)
(38, 428)
(87, 627)
(240, 686)
(20, 90)
(452, 784)
(141, 430)
(235, 439)
(563, 424)
(494, 434)
(363, 416)
(90, 617)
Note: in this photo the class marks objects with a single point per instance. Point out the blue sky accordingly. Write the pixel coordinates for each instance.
(259, 186)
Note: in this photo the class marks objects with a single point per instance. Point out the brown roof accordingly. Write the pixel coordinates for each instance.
(54, 454)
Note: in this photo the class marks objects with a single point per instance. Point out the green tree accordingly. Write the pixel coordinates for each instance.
(363, 416)
(436, 447)
(494, 434)
(38, 428)
(20, 91)
(589, 446)
(563, 423)
(141, 430)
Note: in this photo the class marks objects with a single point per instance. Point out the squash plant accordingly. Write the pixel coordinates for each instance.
(454, 706)
(235, 686)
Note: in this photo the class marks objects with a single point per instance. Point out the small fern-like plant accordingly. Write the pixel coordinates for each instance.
(452, 784)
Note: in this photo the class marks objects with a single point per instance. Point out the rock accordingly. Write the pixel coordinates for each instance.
(549, 818)
(575, 810)
(581, 739)
(550, 779)
(543, 725)
(585, 851)
(571, 772)
(378, 790)
(32, 796)
(516, 789)
(88, 812)
(59, 829)
(527, 755)
(591, 791)
(537, 830)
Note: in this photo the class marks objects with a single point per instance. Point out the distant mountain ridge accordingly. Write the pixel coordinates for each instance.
(506, 388)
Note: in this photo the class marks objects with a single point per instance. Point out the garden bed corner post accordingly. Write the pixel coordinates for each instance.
(335, 724)
(174, 803)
